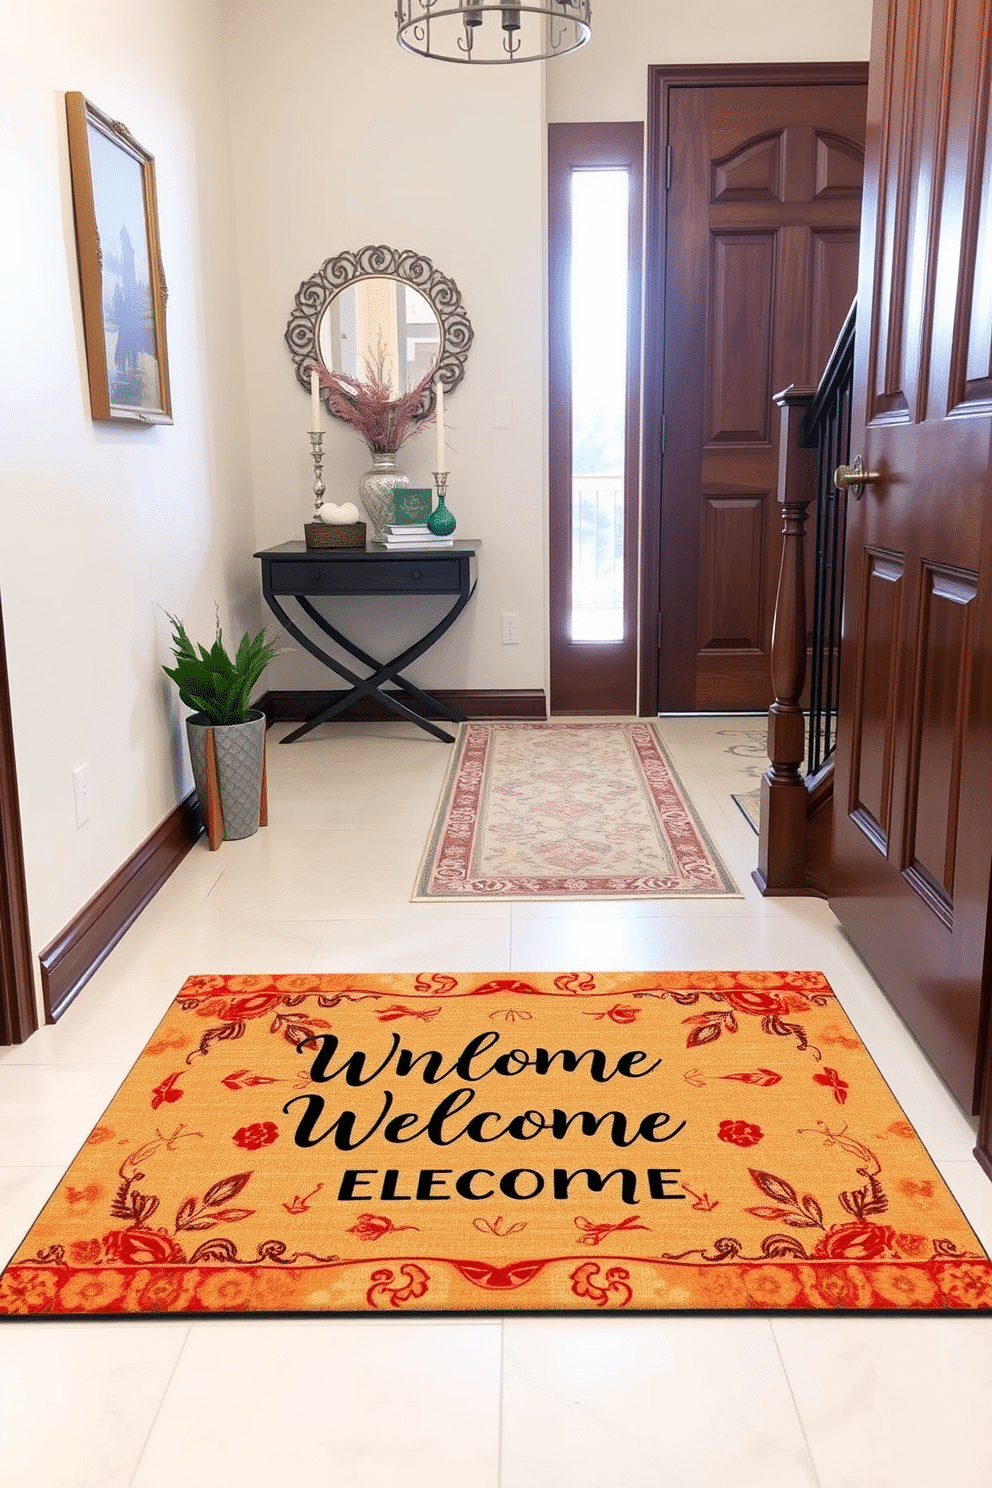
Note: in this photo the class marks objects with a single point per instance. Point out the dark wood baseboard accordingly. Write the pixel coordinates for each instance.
(68, 962)
(294, 706)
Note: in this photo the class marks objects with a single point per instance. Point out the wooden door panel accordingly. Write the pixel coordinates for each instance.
(751, 173)
(912, 851)
(887, 336)
(760, 272)
(971, 351)
(870, 799)
(943, 670)
(730, 615)
(792, 341)
(915, 128)
(741, 295)
(839, 169)
(835, 269)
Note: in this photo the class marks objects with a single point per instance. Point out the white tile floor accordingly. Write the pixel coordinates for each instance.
(525, 1402)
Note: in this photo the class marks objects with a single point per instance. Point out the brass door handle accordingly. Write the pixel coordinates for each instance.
(855, 477)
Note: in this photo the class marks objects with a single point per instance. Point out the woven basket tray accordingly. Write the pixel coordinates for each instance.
(326, 535)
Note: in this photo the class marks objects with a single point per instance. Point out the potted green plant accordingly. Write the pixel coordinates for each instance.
(226, 736)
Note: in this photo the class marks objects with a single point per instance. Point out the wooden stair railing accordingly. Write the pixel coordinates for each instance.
(797, 805)
(782, 836)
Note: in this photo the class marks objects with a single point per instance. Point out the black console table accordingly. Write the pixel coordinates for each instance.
(295, 572)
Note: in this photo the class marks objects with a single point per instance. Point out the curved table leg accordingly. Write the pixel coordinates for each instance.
(381, 671)
(389, 671)
(360, 686)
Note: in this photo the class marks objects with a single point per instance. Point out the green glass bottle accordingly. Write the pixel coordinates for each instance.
(440, 521)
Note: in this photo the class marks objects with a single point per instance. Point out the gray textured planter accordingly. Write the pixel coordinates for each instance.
(240, 750)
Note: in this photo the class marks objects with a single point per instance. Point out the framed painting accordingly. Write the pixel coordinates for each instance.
(120, 268)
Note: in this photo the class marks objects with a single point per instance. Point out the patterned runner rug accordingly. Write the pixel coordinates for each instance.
(657, 1142)
(567, 811)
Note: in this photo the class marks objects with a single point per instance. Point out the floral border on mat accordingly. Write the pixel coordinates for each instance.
(431, 1284)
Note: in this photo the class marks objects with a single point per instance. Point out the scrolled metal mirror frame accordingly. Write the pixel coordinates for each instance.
(376, 261)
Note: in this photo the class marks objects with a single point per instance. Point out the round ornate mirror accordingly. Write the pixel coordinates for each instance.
(381, 309)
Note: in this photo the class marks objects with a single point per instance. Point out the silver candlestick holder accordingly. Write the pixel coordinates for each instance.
(317, 454)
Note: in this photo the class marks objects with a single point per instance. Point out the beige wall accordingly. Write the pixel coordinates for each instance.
(99, 524)
(608, 78)
(340, 140)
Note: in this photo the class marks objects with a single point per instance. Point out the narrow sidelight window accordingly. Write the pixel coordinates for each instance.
(595, 188)
(599, 309)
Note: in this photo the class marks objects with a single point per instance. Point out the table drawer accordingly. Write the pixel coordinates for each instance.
(428, 575)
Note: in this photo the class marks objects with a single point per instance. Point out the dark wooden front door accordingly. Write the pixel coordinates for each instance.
(757, 274)
(913, 802)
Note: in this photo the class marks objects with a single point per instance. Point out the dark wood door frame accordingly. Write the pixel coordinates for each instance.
(661, 81)
(18, 1008)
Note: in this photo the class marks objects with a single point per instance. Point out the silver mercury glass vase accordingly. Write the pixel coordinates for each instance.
(375, 491)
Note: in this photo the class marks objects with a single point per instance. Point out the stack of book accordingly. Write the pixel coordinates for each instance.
(413, 535)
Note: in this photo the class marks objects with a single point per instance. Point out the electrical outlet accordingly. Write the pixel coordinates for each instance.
(510, 626)
(81, 794)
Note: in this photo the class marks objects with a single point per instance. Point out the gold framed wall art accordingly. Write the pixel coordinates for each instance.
(120, 268)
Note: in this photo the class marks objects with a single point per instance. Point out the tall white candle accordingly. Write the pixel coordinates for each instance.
(314, 401)
(439, 464)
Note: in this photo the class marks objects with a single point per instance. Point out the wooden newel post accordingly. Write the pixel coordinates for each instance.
(782, 838)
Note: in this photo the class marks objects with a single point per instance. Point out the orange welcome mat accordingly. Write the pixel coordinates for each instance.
(638, 1141)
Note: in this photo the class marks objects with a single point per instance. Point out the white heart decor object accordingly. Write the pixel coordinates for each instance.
(339, 516)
